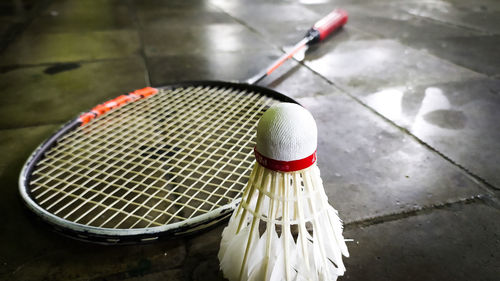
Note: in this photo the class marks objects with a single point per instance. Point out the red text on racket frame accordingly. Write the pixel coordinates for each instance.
(116, 102)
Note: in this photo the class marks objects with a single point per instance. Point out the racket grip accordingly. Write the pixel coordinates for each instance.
(321, 29)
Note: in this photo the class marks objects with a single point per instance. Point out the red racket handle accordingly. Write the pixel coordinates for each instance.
(333, 21)
(320, 30)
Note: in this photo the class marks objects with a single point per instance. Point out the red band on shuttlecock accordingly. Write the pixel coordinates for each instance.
(285, 166)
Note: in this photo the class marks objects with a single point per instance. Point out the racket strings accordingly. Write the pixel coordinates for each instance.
(83, 146)
(164, 159)
(190, 196)
(92, 139)
(148, 212)
(119, 149)
(92, 148)
(91, 152)
(170, 205)
(125, 194)
(110, 146)
(242, 120)
(95, 156)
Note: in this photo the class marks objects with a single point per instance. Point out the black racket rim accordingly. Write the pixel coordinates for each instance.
(137, 235)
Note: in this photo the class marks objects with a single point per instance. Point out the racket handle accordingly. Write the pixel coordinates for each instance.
(321, 29)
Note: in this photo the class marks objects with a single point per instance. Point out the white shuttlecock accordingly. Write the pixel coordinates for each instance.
(284, 228)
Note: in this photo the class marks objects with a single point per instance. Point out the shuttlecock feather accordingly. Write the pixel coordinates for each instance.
(284, 228)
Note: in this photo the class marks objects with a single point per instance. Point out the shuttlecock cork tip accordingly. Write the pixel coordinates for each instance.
(286, 132)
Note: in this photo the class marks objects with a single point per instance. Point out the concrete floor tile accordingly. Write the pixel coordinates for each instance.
(476, 16)
(472, 16)
(205, 39)
(413, 24)
(225, 66)
(37, 48)
(201, 262)
(279, 21)
(170, 275)
(208, 270)
(113, 263)
(7, 26)
(172, 15)
(364, 66)
(369, 168)
(56, 93)
(479, 53)
(14, 15)
(462, 46)
(403, 26)
(83, 16)
(172, 4)
(479, 5)
(268, 12)
(9, 8)
(15, 148)
(199, 246)
(284, 34)
(453, 243)
(459, 119)
(17, 144)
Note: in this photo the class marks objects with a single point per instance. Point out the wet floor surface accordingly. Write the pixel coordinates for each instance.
(406, 97)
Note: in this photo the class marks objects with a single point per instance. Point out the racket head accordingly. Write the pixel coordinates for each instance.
(42, 199)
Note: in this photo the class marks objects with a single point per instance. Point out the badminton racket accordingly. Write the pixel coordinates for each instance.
(155, 162)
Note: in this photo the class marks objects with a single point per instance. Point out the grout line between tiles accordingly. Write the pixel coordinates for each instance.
(31, 126)
(6, 68)
(139, 30)
(482, 198)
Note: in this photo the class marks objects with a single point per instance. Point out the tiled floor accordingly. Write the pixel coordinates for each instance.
(406, 97)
